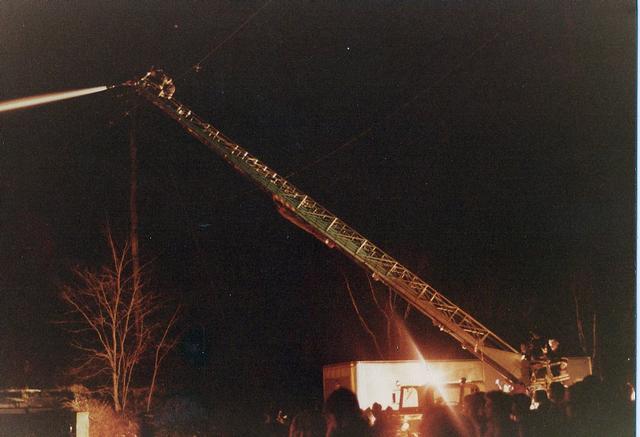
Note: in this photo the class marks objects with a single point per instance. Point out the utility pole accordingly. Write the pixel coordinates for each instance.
(133, 208)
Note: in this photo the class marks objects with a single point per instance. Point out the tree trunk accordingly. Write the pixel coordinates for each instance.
(116, 392)
(152, 387)
(162, 348)
(579, 321)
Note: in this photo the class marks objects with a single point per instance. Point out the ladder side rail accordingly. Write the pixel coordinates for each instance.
(451, 318)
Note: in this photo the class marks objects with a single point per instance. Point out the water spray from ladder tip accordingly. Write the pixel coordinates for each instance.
(26, 102)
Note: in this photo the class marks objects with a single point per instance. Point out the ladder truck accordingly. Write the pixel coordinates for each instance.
(299, 207)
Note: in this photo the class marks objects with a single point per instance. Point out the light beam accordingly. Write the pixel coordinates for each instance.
(42, 99)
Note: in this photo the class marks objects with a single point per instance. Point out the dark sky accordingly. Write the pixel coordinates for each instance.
(495, 158)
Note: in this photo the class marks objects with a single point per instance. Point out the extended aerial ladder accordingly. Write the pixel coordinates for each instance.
(299, 207)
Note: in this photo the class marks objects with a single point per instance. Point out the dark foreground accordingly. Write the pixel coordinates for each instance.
(588, 408)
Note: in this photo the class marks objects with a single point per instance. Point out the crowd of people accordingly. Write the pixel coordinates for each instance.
(587, 408)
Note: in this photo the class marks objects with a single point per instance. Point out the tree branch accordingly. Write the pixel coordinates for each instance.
(362, 320)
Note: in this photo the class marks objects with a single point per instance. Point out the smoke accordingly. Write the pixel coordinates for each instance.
(42, 99)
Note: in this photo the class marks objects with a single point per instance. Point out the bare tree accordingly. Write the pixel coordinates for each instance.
(363, 322)
(582, 321)
(117, 322)
(161, 348)
(388, 307)
(582, 291)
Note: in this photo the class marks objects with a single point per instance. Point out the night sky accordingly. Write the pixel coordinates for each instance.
(488, 146)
